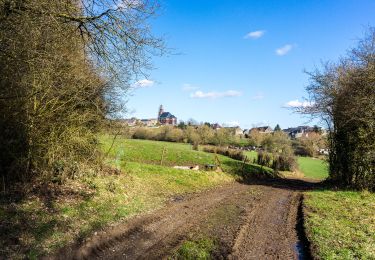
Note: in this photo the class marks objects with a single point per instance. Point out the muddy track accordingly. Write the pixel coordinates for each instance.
(258, 221)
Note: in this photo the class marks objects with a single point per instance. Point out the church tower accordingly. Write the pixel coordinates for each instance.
(161, 111)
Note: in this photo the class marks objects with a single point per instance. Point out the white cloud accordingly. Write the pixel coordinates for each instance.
(144, 83)
(231, 124)
(258, 96)
(255, 34)
(214, 94)
(297, 103)
(188, 87)
(284, 50)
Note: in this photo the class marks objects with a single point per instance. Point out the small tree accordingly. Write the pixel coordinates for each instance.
(256, 137)
(182, 125)
(205, 133)
(222, 137)
(280, 146)
(192, 135)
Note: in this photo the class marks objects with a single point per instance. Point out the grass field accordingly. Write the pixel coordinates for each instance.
(310, 167)
(313, 168)
(341, 224)
(251, 155)
(93, 201)
(151, 152)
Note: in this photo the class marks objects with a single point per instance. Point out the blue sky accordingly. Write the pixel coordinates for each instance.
(241, 62)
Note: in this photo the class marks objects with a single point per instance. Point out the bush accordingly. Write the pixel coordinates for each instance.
(284, 163)
(57, 86)
(278, 162)
(309, 145)
(264, 159)
(301, 150)
(232, 153)
(144, 133)
(174, 135)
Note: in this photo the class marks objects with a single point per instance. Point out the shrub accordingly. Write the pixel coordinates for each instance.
(310, 144)
(264, 159)
(278, 162)
(232, 153)
(195, 146)
(284, 163)
(58, 86)
(144, 133)
(174, 135)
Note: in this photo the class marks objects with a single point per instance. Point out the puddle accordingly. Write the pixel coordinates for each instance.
(302, 247)
(300, 250)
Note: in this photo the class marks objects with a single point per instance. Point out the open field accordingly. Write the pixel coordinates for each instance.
(84, 205)
(341, 224)
(151, 152)
(251, 155)
(313, 168)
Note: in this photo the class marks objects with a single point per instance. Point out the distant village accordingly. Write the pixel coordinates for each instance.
(167, 118)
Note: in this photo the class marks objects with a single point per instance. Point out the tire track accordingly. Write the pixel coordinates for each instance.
(262, 225)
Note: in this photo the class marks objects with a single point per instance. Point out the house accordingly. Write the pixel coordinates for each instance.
(166, 118)
(216, 126)
(131, 122)
(299, 131)
(262, 129)
(149, 122)
(236, 130)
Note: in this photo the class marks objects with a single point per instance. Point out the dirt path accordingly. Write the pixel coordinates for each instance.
(248, 222)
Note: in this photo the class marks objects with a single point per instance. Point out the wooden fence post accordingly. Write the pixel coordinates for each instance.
(162, 156)
(217, 160)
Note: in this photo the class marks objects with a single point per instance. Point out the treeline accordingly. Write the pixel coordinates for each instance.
(342, 94)
(59, 79)
(276, 150)
(196, 135)
(277, 153)
(307, 145)
(232, 153)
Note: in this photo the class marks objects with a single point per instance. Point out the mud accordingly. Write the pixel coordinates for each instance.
(258, 221)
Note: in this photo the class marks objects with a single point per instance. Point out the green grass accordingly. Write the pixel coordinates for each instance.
(150, 152)
(251, 155)
(198, 249)
(313, 168)
(42, 225)
(310, 167)
(341, 224)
